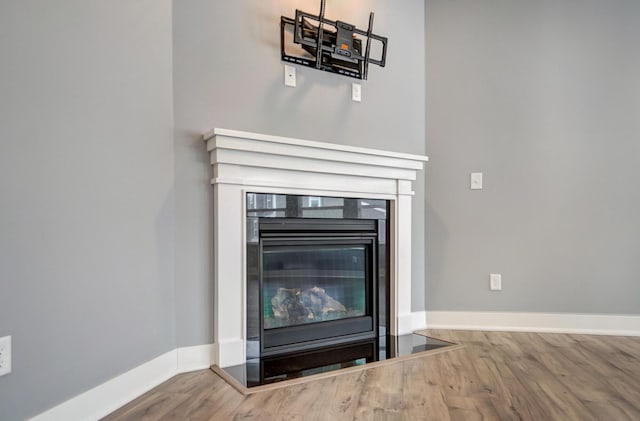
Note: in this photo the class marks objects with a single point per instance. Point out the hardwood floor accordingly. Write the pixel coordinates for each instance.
(496, 376)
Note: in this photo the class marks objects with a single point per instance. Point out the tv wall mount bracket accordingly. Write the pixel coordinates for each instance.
(332, 46)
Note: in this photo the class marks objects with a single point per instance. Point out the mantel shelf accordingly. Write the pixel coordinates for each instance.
(218, 132)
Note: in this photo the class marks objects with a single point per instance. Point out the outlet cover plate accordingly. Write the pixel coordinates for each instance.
(5, 355)
(289, 76)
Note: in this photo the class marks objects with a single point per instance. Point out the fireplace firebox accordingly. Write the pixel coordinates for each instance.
(314, 279)
(316, 272)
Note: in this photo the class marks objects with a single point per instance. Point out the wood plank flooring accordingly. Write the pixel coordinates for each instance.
(496, 376)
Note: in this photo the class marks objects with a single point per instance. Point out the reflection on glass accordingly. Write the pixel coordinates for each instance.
(314, 201)
(269, 205)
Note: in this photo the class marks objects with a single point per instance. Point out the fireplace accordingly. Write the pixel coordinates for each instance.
(317, 276)
(316, 287)
(248, 164)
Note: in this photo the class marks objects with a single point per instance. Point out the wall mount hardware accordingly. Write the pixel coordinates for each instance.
(333, 46)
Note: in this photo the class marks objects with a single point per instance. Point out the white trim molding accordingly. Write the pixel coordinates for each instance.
(418, 320)
(586, 324)
(193, 358)
(248, 162)
(105, 398)
(111, 395)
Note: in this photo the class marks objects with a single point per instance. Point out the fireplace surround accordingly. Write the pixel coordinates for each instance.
(254, 163)
(317, 272)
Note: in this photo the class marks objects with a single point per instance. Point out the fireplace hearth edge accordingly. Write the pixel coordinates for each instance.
(267, 373)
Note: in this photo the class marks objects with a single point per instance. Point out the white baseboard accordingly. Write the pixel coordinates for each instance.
(111, 395)
(587, 324)
(194, 358)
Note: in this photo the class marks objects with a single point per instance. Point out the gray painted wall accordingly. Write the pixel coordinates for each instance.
(540, 96)
(228, 73)
(543, 97)
(86, 190)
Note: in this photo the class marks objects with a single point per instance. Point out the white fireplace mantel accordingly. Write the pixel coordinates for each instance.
(248, 162)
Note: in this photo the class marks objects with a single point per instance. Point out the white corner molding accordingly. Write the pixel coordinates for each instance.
(249, 162)
(105, 398)
(587, 324)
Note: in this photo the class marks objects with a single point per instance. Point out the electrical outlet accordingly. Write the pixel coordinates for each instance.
(495, 282)
(5, 355)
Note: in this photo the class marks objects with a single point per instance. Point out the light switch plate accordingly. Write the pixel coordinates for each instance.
(476, 181)
(356, 92)
(495, 282)
(289, 75)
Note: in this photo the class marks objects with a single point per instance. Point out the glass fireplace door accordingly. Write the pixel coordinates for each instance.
(316, 291)
(303, 284)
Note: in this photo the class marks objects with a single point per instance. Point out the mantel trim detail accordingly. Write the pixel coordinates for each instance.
(248, 162)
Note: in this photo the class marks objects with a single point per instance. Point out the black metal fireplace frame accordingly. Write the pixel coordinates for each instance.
(309, 231)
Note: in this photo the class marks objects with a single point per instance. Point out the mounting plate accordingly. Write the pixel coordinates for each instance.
(333, 46)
